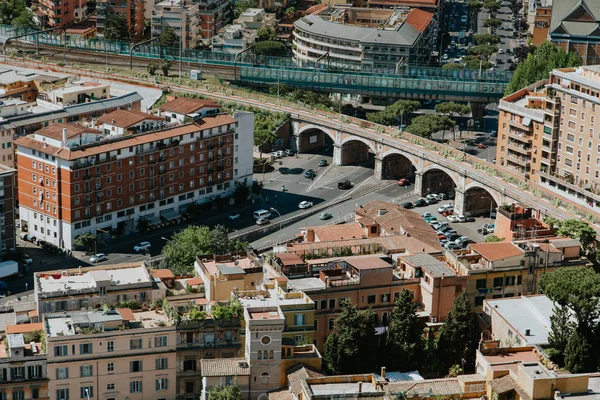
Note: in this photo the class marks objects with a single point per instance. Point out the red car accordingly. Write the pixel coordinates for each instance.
(482, 146)
(447, 212)
(441, 236)
(403, 182)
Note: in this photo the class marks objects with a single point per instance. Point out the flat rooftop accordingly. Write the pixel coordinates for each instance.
(229, 267)
(592, 393)
(527, 356)
(272, 297)
(264, 315)
(524, 313)
(435, 267)
(307, 284)
(59, 281)
(348, 388)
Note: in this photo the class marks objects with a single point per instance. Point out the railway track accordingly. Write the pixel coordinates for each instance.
(114, 60)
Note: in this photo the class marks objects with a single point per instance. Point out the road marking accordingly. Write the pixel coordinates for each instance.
(318, 178)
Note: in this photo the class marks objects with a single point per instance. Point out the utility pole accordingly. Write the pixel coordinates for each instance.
(181, 33)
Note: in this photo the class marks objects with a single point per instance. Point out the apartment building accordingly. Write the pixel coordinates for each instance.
(212, 16)
(7, 210)
(92, 287)
(225, 274)
(505, 269)
(110, 354)
(407, 36)
(56, 14)
(132, 9)
(23, 363)
(180, 108)
(207, 339)
(72, 182)
(574, 27)
(180, 16)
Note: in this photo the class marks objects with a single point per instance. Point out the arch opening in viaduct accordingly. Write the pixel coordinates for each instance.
(315, 140)
(397, 166)
(355, 151)
(479, 202)
(437, 181)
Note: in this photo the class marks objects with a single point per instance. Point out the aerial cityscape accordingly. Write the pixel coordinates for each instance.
(300, 200)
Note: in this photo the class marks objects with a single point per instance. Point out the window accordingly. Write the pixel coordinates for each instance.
(323, 304)
(189, 365)
(85, 371)
(135, 387)
(162, 384)
(371, 299)
(162, 363)
(110, 367)
(498, 282)
(62, 373)
(17, 373)
(135, 344)
(86, 392)
(509, 281)
(481, 284)
(110, 386)
(62, 394)
(299, 319)
(60, 351)
(331, 303)
(160, 341)
(110, 346)
(520, 280)
(479, 300)
(35, 392)
(135, 366)
(85, 348)
(331, 323)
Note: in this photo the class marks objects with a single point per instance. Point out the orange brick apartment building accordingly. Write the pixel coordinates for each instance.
(74, 180)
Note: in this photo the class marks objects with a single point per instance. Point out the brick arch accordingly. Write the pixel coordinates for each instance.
(359, 139)
(492, 193)
(453, 175)
(311, 127)
(410, 157)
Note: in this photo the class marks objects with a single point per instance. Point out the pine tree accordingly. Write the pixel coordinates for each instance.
(457, 343)
(352, 347)
(579, 355)
(404, 341)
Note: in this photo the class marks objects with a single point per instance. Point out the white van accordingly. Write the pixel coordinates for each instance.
(262, 214)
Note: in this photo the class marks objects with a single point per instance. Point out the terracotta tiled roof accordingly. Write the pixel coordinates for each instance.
(224, 367)
(507, 383)
(428, 387)
(419, 19)
(390, 244)
(162, 273)
(126, 314)
(368, 262)
(329, 233)
(126, 118)
(297, 374)
(194, 282)
(317, 8)
(24, 328)
(134, 140)
(54, 131)
(497, 251)
(396, 220)
(32, 313)
(289, 259)
(281, 394)
(183, 105)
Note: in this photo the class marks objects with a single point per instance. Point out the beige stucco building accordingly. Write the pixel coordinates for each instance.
(223, 275)
(111, 354)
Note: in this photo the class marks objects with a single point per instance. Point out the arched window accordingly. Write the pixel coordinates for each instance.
(259, 356)
(265, 354)
(264, 378)
(271, 354)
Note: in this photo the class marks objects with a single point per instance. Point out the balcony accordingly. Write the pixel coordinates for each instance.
(87, 177)
(98, 186)
(518, 159)
(519, 136)
(516, 146)
(162, 171)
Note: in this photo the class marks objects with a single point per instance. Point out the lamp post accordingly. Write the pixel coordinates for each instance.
(87, 393)
(278, 213)
(491, 205)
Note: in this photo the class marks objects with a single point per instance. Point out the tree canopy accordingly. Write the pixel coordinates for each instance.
(243, 5)
(116, 27)
(181, 251)
(225, 392)
(404, 343)
(15, 12)
(486, 38)
(458, 337)
(352, 347)
(579, 230)
(492, 23)
(427, 125)
(395, 113)
(539, 63)
(168, 38)
(484, 51)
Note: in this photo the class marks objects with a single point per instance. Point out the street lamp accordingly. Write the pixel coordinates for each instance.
(87, 393)
(278, 213)
(491, 205)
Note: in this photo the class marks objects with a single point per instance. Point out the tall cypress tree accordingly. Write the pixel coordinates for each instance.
(459, 336)
(404, 341)
(352, 347)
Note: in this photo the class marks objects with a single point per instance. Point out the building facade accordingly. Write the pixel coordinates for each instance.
(132, 9)
(110, 354)
(179, 16)
(110, 184)
(408, 40)
(7, 210)
(575, 27)
(56, 14)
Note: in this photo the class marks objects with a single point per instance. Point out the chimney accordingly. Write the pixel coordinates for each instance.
(382, 211)
(64, 137)
(383, 372)
(113, 121)
(527, 332)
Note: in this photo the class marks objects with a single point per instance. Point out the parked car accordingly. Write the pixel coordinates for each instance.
(275, 154)
(461, 218)
(441, 236)
(289, 152)
(310, 174)
(233, 216)
(445, 207)
(403, 182)
(452, 246)
(431, 219)
(325, 216)
(432, 196)
(431, 200)
(427, 214)
(420, 202)
(27, 260)
(142, 246)
(407, 204)
(488, 226)
(452, 236)
(481, 146)
(443, 242)
(345, 185)
(96, 258)
(447, 212)
(305, 204)
(262, 221)
(323, 163)
(493, 134)
(453, 218)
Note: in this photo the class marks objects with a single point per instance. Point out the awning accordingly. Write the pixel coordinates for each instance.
(152, 220)
(170, 215)
(526, 121)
